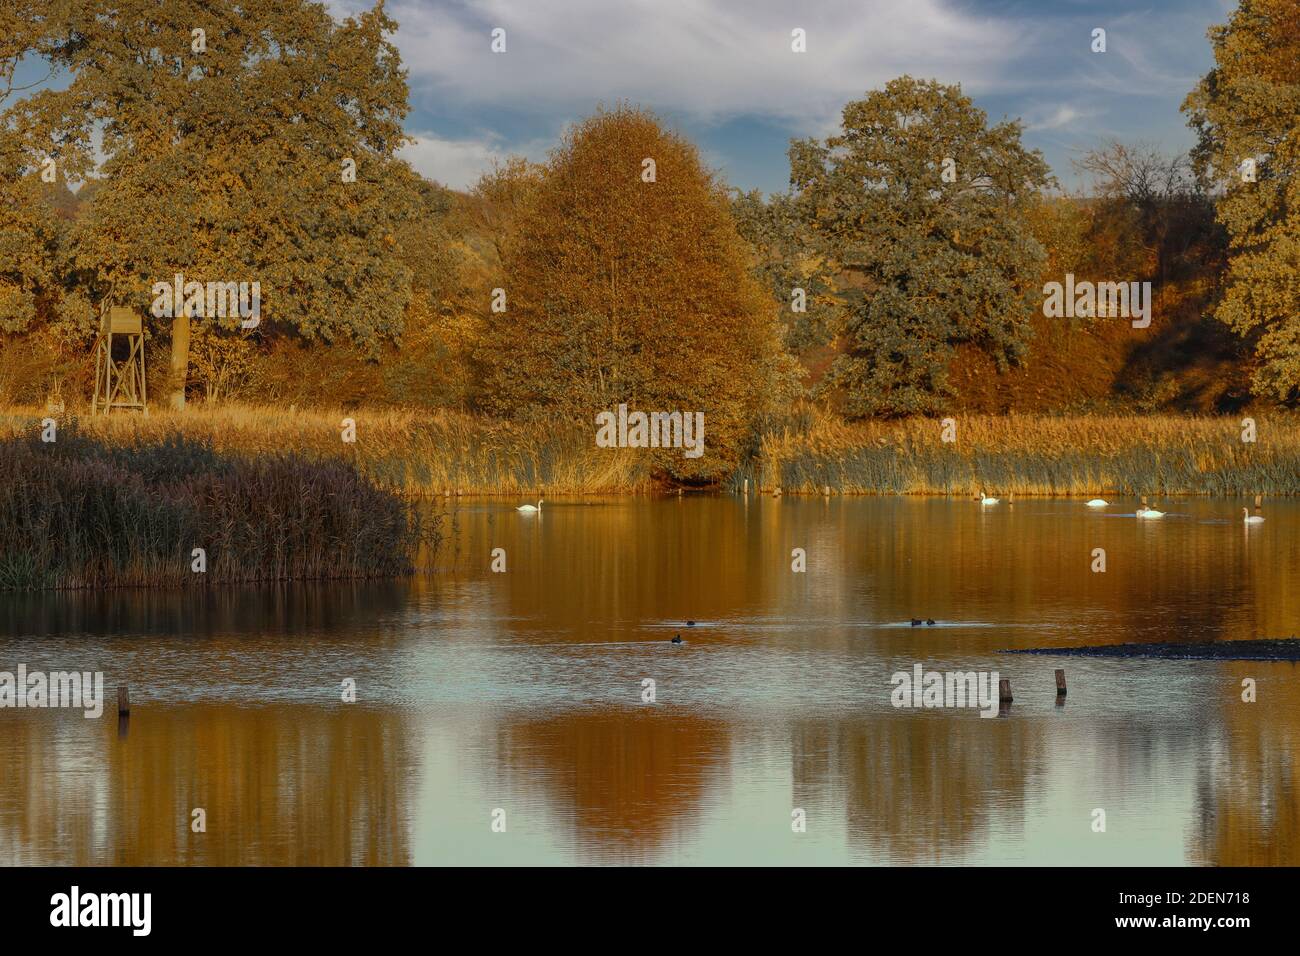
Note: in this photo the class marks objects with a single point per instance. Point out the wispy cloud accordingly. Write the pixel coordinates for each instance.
(706, 58)
(458, 163)
(723, 72)
(1061, 116)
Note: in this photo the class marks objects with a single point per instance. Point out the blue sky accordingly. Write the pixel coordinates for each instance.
(722, 72)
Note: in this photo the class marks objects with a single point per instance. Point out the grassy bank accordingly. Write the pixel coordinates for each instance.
(418, 454)
(1029, 455)
(84, 512)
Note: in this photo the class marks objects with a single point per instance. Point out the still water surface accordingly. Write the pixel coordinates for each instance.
(522, 691)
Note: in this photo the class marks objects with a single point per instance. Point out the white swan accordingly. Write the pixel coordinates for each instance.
(529, 508)
(1098, 503)
(1250, 518)
(1145, 512)
(985, 499)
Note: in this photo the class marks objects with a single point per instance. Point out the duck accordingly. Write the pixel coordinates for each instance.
(1250, 518)
(677, 639)
(1098, 503)
(929, 622)
(529, 509)
(916, 622)
(690, 623)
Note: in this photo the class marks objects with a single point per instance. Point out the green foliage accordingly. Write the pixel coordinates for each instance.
(1248, 107)
(929, 264)
(785, 262)
(226, 164)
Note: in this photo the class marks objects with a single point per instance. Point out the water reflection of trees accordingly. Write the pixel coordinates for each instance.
(916, 788)
(1248, 784)
(628, 783)
(280, 785)
(296, 608)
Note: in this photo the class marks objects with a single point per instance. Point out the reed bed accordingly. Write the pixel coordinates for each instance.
(421, 455)
(81, 512)
(1031, 456)
(416, 454)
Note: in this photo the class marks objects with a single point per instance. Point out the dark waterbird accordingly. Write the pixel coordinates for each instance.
(690, 623)
(677, 639)
(916, 622)
(929, 622)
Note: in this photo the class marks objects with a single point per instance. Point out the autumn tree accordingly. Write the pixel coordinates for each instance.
(920, 204)
(31, 234)
(788, 266)
(625, 282)
(243, 140)
(1246, 112)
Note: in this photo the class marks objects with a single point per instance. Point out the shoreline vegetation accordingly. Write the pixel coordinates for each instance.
(412, 454)
(171, 510)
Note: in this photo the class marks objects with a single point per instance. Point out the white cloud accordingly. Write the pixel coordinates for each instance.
(454, 163)
(1059, 117)
(458, 163)
(708, 58)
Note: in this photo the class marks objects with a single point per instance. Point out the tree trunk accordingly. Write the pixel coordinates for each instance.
(180, 359)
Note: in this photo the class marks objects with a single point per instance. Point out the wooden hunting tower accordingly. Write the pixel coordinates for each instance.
(119, 380)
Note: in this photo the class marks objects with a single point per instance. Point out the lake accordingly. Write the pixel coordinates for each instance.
(516, 702)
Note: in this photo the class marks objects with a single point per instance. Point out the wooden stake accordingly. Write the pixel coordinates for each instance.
(123, 699)
(1004, 691)
(1060, 683)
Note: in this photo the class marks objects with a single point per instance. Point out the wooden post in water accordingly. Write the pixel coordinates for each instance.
(1004, 691)
(1060, 683)
(123, 699)
(826, 491)
(746, 487)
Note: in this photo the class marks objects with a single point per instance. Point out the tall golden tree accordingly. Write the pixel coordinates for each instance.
(626, 282)
(1247, 111)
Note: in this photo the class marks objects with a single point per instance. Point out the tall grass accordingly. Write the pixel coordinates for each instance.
(417, 454)
(81, 512)
(1032, 455)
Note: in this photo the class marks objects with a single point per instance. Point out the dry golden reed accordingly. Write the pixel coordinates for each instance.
(1033, 455)
(415, 453)
(432, 454)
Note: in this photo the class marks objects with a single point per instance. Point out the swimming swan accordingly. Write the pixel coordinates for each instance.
(1098, 503)
(1250, 518)
(530, 508)
(1145, 512)
(985, 499)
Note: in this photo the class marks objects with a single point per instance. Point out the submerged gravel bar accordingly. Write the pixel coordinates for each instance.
(1283, 649)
